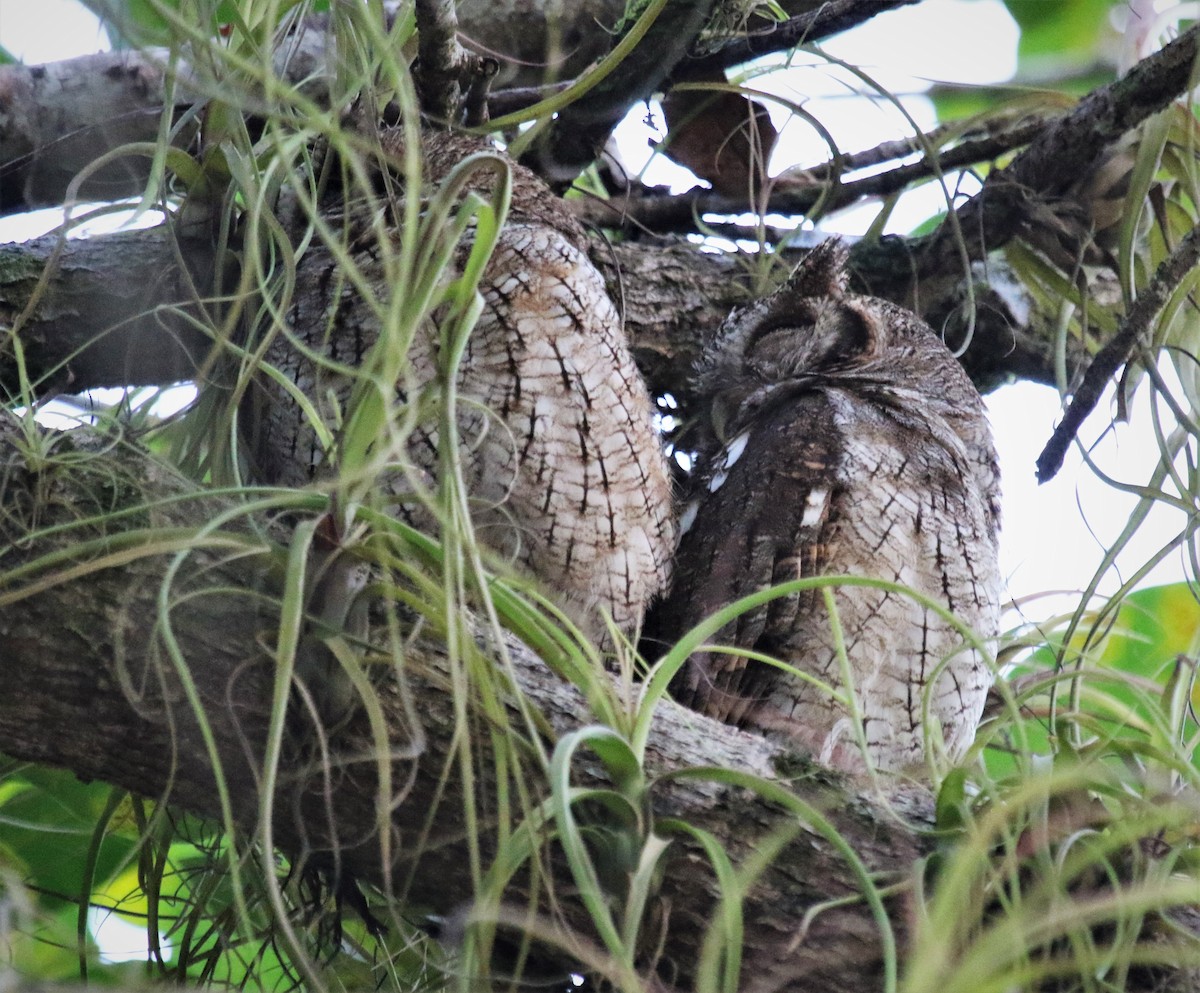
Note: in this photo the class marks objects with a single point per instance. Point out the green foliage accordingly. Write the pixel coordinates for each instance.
(1065, 32)
(1067, 852)
(168, 878)
(59, 842)
(1125, 675)
(142, 23)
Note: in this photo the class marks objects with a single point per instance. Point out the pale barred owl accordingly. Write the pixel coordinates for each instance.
(852, 443)
(564, 469)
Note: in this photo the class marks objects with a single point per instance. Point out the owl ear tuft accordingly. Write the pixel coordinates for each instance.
(821, 275)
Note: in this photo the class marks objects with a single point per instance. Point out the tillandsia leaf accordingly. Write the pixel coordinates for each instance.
(288, 636)
(1054, 916)
(846, 672)
(619, 760)
(520, 607)
(290, 629)
(515, 850)
(665, 669)
(349, 658)
(721, 954)
(1152, 139)
(88, 880)
(111, 552)
(562, 799)
(642, 886)
(183, 672)
(541, 625)
(448, 217)
(951, 801)
(186, 169)
(807, 814)
(1178, 324)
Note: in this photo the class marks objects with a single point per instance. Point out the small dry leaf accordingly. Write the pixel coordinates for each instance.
(724, 138)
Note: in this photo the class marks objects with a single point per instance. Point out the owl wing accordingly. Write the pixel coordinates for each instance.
(761, 514)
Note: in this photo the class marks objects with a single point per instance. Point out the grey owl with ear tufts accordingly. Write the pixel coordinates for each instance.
(849, 442)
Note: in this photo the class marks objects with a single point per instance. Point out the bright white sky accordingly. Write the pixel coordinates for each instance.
(1047, 543)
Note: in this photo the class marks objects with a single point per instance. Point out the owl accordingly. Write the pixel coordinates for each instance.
(564, 470)
(850, 443)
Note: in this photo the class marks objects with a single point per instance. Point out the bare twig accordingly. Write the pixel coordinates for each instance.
(515, 98)
(1133, 333)
(979, 144)
(445, 68)
(662, 212)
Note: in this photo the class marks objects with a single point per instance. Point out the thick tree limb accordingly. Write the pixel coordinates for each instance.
(674, 299)
(1063, 153)
(56, 119)
(119, 310)
(110, 311)
(97, 694)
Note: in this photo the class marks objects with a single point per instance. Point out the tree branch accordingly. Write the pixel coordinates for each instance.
(122, 309)
(111, 311)
(575, 137)
(440, 66)
(661, 213)
(1062, 153)
(444, 66)
(56, 119)
(1134, 330)
(812, 26)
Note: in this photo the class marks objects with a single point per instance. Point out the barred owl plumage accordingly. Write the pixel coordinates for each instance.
(565, 472)
(851, 442)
